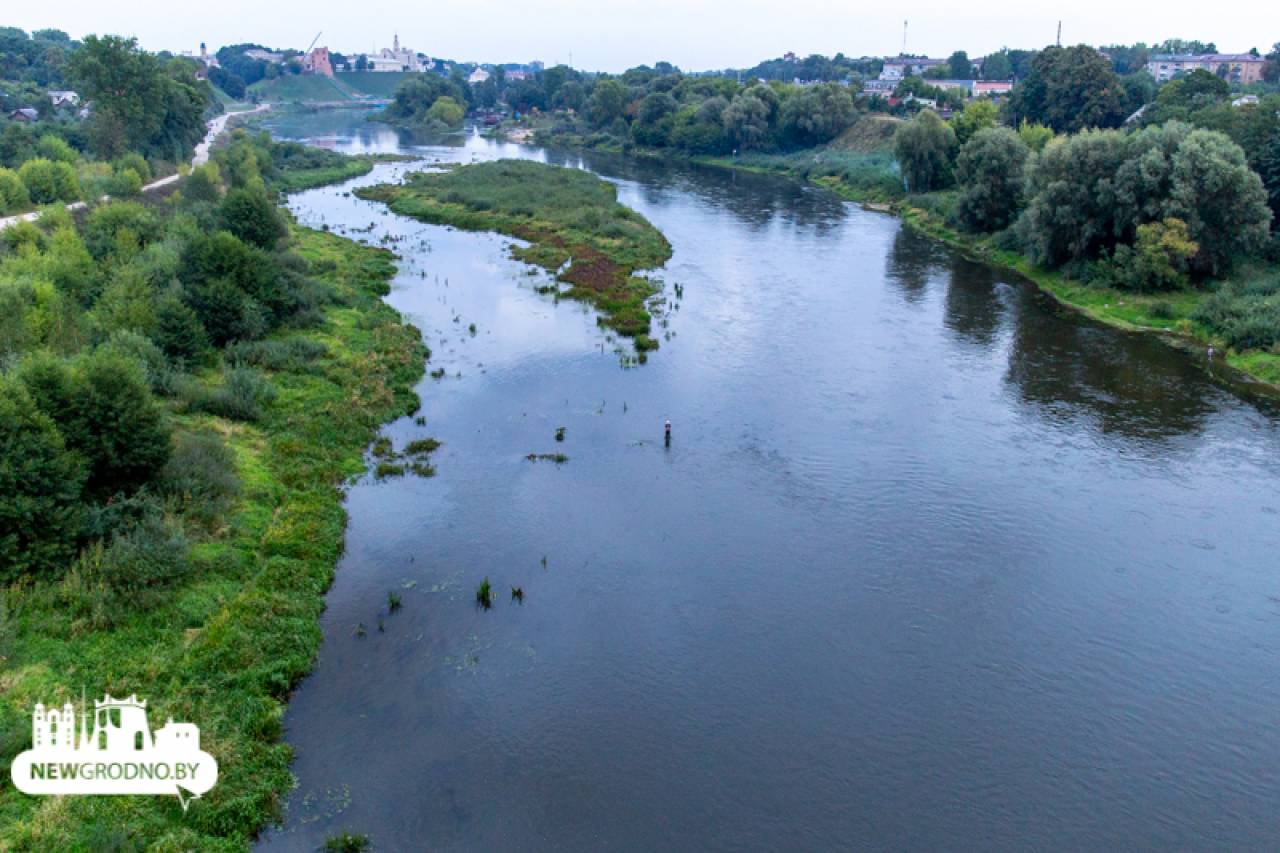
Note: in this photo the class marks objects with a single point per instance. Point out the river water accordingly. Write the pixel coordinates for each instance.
(928, 563)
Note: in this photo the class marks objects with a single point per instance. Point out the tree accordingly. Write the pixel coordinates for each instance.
(978, 114)
(1070, 89)
(13, 193)
(746, 121)
(446, 111)
(817, 114)
(139, 103)
(362, 62)
(1222, 201)
(415, 97)
(1271, 71)
(1159, 259)
(607, 103)
(249, 214)
(40, 484)
(997, 66)
(179, 332)
(125, 434)
(47, 181)
(925, 148)
(959, 66)
(1034, 136)
(204, 184)
(1072, 203)
(990, 171)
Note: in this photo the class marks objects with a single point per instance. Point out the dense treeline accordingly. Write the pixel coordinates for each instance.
(105, 326)
(147, 115)
(428, 101)
(1162, 207)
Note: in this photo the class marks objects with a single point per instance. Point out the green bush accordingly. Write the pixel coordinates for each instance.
(1158, 260)
(179, 332)
(125, 183)
(140, 349)
(120, 428)
(203, 185)
(49, 181)
(40, 484)
(201, 476)
(55, 148)
(150, 555)
(137, 163)
(13, 193)
(241, 397)
(249, 214)
(292, 354)
(1246, 313)
(118, 223)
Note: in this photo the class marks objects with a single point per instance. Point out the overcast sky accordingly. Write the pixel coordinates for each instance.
(611, 35)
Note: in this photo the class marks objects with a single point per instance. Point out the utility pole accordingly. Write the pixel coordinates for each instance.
(1059, 33)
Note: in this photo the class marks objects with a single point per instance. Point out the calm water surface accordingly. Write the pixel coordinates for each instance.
(928, 564)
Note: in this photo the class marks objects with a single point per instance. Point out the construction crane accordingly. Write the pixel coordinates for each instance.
(313, 43)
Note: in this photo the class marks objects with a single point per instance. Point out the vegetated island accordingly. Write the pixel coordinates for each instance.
(572, 220)
(292, 167)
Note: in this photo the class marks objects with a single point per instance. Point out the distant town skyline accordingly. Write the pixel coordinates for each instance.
(612, 35)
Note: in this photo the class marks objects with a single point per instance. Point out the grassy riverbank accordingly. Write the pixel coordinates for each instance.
(859, 166)
(225, 644)
(868, 177)
(567, 215)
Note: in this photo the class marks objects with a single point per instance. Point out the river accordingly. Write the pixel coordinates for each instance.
(929, 563)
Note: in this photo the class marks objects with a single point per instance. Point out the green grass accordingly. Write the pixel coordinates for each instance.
(375, 84)
(301, 88)
(566, 215)
(225, 646)
(305, 179)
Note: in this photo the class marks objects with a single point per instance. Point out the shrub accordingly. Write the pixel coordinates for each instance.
(201, 476)
(925, 148)
(1158, 260)
(119, 427)
(179, 332)
(1245, 312)
(203, 185)
(292, 354)
(109, 223)
(150, 555)
(990, 169)
(243, 394)
(346, 842)
(135, 162)
(55, 148)
(48, 181)
(40, 484)
(125, 183)
(142, 350)
(13, 193)
(249, 214)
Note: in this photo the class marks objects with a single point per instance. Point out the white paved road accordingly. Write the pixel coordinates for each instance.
(216, 126)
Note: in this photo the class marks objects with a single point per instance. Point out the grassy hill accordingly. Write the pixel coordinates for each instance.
(870, 133)
(301, 88)
(377, 84)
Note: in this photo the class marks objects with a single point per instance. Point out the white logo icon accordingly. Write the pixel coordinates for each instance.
(116, 755)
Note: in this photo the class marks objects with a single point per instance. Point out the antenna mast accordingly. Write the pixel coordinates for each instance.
(904, 38)
(1059, 33)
